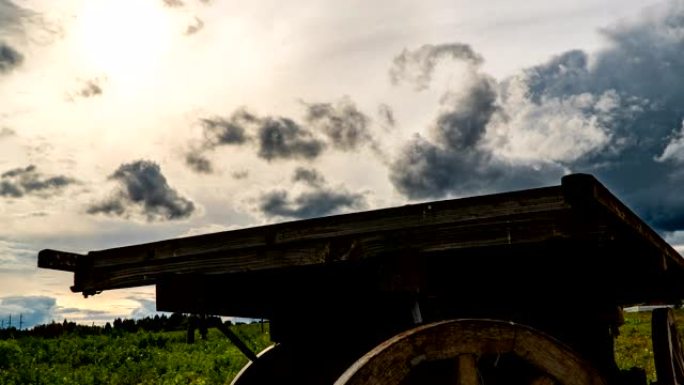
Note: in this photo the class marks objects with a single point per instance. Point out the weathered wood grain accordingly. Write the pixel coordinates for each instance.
(584, 192)
(394, 360)
(668, 356)
(60, 260)
(492, 220)
(579, 210)
(467, 370)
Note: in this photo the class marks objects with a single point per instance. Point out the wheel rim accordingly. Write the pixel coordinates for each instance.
(467, 343)
(667, 350)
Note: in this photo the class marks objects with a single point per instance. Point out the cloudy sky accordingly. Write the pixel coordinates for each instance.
(125, 121)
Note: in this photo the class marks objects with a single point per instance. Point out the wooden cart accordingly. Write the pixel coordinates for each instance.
(525, 287)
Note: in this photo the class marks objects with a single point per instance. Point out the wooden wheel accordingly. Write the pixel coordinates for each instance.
(254, 371)
(667, 349)
(287, 363)
(471, 352)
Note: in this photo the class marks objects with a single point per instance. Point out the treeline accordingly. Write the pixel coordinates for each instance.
(163, 323)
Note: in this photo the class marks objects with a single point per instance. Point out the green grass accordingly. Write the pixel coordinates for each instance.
(132, 358)
(165, 358)
(633, 347)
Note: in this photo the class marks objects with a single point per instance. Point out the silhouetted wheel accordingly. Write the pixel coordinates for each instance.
(471, 352)
(258, 372)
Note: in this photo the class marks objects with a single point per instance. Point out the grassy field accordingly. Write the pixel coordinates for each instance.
(132, 358)
(633, 346)
(165, 358)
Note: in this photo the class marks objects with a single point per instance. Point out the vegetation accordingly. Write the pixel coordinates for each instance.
(633, 347)
(116, 356)
(155, 351)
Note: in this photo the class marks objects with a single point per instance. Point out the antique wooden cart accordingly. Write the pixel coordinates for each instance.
(525, 287)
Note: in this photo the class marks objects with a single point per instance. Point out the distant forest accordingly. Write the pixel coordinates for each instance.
(163, 323)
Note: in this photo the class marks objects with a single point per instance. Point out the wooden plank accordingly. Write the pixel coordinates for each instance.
(59, 260)
(299, 243)
(426, 214)
(467, 370)
(586, 193)
(580, 210)
(512, 230)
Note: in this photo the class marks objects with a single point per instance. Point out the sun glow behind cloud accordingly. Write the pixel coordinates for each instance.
(125, 39)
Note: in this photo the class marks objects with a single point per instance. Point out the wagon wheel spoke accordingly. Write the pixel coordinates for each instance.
(467, 370)
(474, 347)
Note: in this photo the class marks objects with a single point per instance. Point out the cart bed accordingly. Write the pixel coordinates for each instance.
(575, 240)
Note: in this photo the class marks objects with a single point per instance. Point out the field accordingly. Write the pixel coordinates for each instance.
(633, 346)
(140, 357)
(163, 357)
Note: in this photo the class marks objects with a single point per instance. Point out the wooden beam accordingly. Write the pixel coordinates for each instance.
(471, 222)
(467, 370)
(586, 193)
(509, 230)
(60, 260)
(579, 210)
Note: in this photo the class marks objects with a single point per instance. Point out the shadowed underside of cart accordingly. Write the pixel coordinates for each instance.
(560, 260)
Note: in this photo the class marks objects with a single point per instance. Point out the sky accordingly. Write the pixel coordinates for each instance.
(127, 121)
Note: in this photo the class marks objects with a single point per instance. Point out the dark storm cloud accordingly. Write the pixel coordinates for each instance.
(11, 15)
(463, 124)
(426, 170)
(241, 174)
(318, 200)
(91, 88)
(8, 189)
(275, 138)
(643, 66)
(309, 204)
(616, 113)
(386, 115)
(283, 138)
(565, 74)
(10, 58)
(309, 176)
(6, 132)
(173, 3)
(417, 66)
(340, 126)
(454, 159)
(143, 189)
(345, 126)
(195, 27)
(219, 131)
(12, 18)
(88, 89)
(19, 182)
(34, 310)
(198, 163)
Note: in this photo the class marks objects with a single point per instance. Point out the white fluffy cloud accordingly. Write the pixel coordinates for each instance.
(674, 151)
(556, 129)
